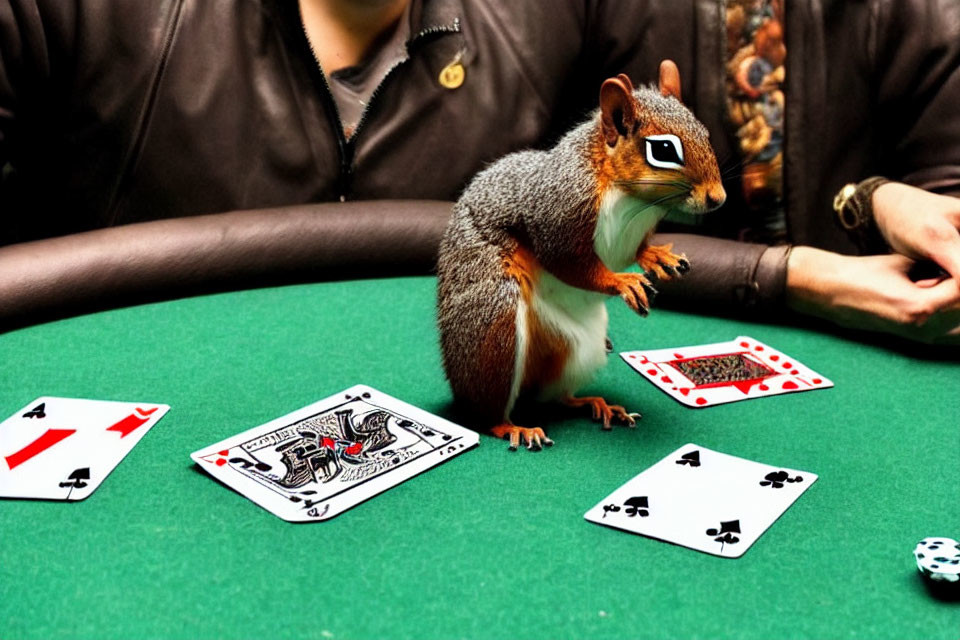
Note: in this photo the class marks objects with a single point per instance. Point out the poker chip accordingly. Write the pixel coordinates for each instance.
(938, 560)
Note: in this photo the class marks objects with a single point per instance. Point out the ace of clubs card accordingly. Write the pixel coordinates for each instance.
(712, 374)
(63, 448)
(327, 457)
(703, 500)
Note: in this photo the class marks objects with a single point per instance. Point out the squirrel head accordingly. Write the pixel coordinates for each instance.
(653, 147)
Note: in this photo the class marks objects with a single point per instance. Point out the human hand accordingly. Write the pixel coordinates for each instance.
(874, 293)
(920, 225)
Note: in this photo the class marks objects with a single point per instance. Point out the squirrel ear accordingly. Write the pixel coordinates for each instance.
(626, 80)
(618, 110)
(669, 79)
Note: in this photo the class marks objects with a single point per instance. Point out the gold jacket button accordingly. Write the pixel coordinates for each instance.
(452, 75)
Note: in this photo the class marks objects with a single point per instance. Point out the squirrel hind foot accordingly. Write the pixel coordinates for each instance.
(534, 439)
(603, 411)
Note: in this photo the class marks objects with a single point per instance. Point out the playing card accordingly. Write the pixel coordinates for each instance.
(325, 458)
(704, 500)
(712, 374)
(63, 448)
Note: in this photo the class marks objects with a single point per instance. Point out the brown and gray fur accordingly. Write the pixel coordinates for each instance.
(529, 222)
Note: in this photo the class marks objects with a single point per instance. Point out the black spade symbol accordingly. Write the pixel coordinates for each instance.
(724, 535)
(76, 479)
(692, 458)
(637, 506)
(38, 411)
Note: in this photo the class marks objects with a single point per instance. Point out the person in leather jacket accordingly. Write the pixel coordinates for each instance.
(181, 144)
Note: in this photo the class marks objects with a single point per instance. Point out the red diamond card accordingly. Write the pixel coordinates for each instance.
(712, 374)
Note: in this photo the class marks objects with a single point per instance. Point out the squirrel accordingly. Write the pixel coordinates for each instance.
(536, 243)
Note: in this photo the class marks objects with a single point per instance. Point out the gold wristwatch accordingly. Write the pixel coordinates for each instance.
(854, 207)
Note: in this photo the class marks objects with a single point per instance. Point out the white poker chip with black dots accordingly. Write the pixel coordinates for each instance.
(938, 559)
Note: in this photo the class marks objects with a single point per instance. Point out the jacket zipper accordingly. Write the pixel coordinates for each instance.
(346, 147)
(344, 150)
(429, 31)
(436, 30)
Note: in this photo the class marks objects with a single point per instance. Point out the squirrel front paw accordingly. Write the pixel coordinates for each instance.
(662, 262)
(636, 291)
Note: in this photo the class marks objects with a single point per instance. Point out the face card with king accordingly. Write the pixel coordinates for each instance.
(325, 458)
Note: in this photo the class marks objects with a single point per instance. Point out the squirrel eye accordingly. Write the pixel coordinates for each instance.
(664, 151)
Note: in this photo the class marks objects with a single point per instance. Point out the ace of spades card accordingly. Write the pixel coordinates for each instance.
(325, 458)
(703, 500)
(712, 374)
(63, 448)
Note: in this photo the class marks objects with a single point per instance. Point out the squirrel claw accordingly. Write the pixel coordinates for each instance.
(661, 262)
(535, 439)
(603, 411)
(633, 288)
(650, 291)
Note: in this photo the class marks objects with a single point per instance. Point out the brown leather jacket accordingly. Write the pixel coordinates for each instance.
(115, 112)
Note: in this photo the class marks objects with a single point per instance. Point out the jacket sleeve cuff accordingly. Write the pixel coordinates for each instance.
(726, 276)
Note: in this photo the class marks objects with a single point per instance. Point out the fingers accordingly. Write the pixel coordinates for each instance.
(941, 296)
(945, 251)
(920, 224)
(929, 314)
(874, 293)
(929, 282)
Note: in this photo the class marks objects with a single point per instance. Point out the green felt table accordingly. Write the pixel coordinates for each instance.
(492, 543)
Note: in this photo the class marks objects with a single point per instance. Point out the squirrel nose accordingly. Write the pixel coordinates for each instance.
(714, 200)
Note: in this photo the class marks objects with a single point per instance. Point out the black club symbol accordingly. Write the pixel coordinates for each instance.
(608, 508)
(775, 479)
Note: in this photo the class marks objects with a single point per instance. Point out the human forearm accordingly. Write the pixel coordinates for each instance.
(873, 293)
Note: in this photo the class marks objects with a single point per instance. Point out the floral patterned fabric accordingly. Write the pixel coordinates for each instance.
(755, 79)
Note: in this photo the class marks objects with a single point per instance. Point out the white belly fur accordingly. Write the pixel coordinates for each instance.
(622, 224)
(579, 316)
